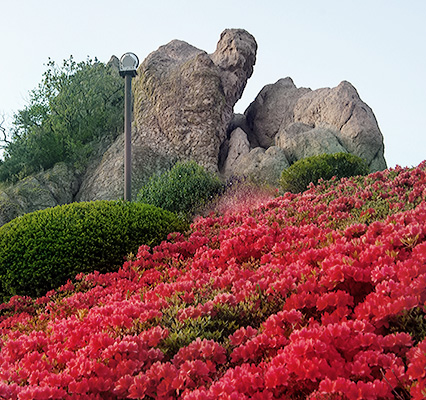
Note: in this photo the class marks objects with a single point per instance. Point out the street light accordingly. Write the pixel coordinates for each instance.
(128, 64)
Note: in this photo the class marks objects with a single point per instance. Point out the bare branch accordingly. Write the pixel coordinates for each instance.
(4, 141)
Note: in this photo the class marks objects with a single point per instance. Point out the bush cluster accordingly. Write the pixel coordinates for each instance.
(182, 189)
(41, 250)
(298, 176)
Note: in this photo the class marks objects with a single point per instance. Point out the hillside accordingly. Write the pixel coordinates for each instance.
(319, 295)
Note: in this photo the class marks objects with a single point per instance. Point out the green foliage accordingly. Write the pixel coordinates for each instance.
(226, 320)
(411, 321)
(182, 189)
(298, 176)
(74, 105)
(41, 250)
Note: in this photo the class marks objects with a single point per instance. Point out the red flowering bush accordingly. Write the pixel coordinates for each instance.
(319, 295)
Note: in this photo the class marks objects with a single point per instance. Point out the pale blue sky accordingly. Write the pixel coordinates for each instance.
(377, 45)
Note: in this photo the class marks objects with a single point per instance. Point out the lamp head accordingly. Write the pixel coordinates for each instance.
(128, 64)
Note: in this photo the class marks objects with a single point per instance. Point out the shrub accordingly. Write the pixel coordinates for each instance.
(41, 250)
(298, 176)
(182, 189)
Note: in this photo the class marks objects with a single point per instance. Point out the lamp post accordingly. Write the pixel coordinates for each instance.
(128, 65)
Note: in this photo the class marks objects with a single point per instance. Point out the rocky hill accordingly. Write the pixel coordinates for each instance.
(183, 110)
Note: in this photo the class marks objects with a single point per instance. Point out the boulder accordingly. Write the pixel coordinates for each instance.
(104, 179)
(300, 140)
(305, 122)
(240, 121)
(273, 108)
(262, 165)
(183, 110)
(183, 104)
(238, 147)
(353, 121)
(9, 209)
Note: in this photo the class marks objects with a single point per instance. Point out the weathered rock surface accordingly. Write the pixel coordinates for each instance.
(183, 110)
(240, 121)
(46, 189)
(353, 121)
(238, 147)
(272, 109)
(183, 103)
(304, 122)
(262, 165)
(300, 140)
(104, 179)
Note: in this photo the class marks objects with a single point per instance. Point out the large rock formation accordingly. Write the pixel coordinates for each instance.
(273, 109)
(303, 123)
(341, 110)
(183, 104)
(183, 110)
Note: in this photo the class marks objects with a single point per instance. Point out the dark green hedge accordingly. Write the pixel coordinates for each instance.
(298, 176)
(181, 189)
(41, 250)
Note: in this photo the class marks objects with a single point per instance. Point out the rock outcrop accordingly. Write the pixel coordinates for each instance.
(273, 109)
(183, 104)
(304, 123)
(54, 187)
(352, 121)
(299, 140)
(264, 166)
(183, 110)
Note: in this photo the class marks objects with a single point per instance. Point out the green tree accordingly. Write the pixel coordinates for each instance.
(75, 105)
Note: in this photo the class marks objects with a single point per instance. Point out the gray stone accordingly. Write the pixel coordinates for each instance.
(46, 189)
(353, 121)
(61, 181)
(299, 141)
(183, 110)
(273, 108)
(9, 209)
(114, 63)
(240, 121)
(262, 165)
(104, 179)
(238, 147)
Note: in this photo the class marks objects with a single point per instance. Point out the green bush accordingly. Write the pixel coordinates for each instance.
(182, 189)
(41, 250)
(298, 176)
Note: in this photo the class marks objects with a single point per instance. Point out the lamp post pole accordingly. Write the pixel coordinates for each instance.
(128, 138)
(128, 64)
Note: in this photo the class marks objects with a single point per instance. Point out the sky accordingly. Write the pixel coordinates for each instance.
(377, 45)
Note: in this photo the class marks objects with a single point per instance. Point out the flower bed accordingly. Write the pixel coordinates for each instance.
(319, 295)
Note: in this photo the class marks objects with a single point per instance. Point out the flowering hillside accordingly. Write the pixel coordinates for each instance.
(319, 295)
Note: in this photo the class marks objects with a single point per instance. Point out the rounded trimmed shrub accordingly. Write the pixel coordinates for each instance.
(182, 189)
(298, 176)
(42, 250)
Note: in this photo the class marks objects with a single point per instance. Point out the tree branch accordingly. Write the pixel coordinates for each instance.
(4, 141)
